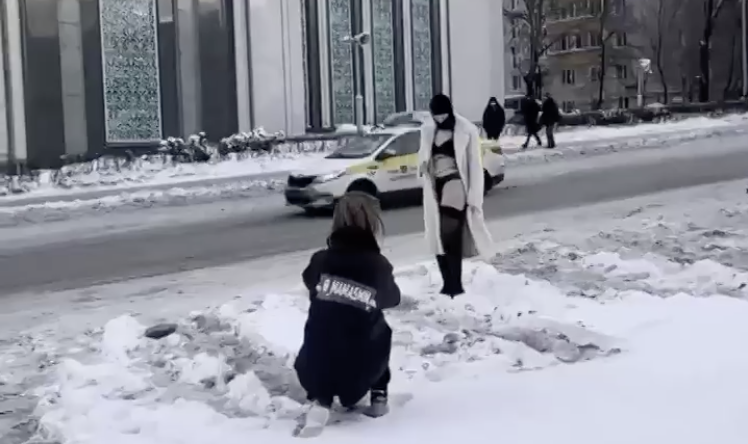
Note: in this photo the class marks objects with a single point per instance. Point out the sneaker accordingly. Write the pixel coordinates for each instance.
(313, 420)
(378, 404)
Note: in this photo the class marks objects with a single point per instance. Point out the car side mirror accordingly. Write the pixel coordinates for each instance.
(386, 154)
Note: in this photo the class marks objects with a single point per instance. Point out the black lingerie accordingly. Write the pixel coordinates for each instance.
(445, 149)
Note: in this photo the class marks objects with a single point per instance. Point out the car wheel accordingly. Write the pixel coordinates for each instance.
(365, 186)
(487, 182)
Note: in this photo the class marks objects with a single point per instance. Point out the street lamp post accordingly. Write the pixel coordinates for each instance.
(358, 42)
(645, 67)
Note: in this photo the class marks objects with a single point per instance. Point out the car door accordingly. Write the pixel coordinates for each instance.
(401, 171)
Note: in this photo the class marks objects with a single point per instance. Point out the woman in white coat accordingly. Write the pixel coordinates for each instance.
(453, 189)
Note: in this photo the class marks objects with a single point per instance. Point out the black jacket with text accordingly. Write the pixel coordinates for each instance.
(347, 341)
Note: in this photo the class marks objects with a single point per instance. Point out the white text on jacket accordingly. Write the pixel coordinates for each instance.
(336, 289)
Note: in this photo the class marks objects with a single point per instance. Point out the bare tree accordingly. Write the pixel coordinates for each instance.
(532, 34)
(658, 23)
(726, 79)
(611, 32)
(712, 8)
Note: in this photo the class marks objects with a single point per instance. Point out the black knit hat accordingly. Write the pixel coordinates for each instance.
(441, 104)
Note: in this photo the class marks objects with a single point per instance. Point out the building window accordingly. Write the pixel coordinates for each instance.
(582, 8)
(425, 51)
(576, 41)
(514, 57)
(622, 71)
(594, 73)
(564, 44)
(568, 106)
(340, 25)
(311, 47)
(385, 24)
(132, 94)
(621, 39)
(516, 83)
(568, 77)
(623, 102)
(619, 6)
(595, 39)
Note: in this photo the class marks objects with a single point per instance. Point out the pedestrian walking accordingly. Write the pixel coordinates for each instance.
(347, 341)
(453, 189)
(530, 111)
(550, 117)
(494, 119)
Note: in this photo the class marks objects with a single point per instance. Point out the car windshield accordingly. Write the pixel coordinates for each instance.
(358, 147)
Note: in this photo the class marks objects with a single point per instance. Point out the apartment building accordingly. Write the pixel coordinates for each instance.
(516, 49)
(580, 35)
(577, 34)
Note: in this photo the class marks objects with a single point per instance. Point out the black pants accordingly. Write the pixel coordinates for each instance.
(381, 385)
(383, 382)
(549, 135)
(532, 132)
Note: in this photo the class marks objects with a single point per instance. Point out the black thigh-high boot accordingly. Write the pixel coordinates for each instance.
(444, 269)
(450, 264)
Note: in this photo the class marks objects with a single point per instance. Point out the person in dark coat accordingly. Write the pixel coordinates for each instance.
(347, 341)
(549, 118)
(494, 119)
(530, 111)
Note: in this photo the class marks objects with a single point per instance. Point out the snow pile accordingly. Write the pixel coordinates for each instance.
(62, 210)
(225, 373)
(640, 324)
(119, 174)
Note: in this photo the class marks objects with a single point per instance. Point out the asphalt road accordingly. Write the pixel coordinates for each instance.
(78, 263)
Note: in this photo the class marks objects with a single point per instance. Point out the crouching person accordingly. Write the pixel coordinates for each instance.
(347, 340)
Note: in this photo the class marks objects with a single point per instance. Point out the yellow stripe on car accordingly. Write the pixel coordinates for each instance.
(361, 168)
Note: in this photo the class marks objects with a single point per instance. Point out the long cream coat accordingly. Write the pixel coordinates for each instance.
(467, 150)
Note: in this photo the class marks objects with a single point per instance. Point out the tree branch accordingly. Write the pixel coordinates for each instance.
(718, 8)
(553, 42)
(515, 15)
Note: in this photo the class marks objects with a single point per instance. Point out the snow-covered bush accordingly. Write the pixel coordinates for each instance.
(83, 170)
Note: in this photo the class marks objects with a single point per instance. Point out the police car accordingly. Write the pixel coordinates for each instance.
(383, 163)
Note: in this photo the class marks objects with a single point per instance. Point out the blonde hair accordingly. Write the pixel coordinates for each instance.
(360, 210)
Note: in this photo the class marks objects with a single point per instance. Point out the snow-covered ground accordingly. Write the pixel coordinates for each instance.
(144, 175)
(156, 182)
(616, 323)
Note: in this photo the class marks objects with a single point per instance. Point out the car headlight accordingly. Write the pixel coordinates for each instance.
(328, 177)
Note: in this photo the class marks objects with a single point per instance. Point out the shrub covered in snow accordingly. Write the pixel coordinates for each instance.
(85, 170)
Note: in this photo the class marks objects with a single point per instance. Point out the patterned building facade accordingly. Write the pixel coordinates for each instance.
(80, 75)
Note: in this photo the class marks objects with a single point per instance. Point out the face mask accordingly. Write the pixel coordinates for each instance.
(440, 118)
